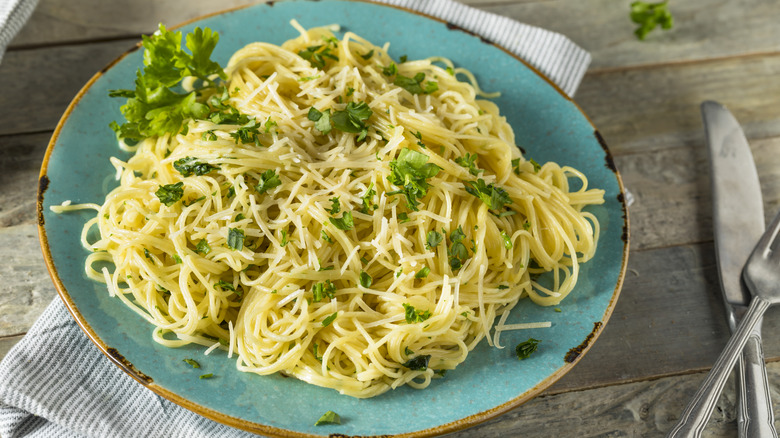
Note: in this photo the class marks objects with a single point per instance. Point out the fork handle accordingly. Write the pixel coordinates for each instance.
(758, 420)
(698, 411)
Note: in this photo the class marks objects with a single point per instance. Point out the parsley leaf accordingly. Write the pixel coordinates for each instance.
(235, 239)
(419, 363)
(507, 240)
(352, 119)
(329, 417)
(649, 15)
(247, 133)
(191, 362)
(423, 273)
(457, 252)
(412, 315)
(203, 247)
(322, 290)
(345, 222)
(433, 239)
(169, 194)
(414, 85)
(411, 171)
(268, 180)
(224, 285)
(335, 206)
(524, 349)
(365, 279)
(325, 236)
(469, 161)
(188, 166)
(495, 197)
(321, 119)
(368, 200)
(326, 322)
(318, 55)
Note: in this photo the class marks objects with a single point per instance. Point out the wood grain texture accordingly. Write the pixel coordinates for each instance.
(704, 29)
(641, 409)
(27, 288)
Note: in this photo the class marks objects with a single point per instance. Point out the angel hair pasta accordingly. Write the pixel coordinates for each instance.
(322, 211)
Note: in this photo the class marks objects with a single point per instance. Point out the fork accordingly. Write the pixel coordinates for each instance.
(762, 275)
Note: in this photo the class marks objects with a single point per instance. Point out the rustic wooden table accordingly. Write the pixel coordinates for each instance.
(668, 325)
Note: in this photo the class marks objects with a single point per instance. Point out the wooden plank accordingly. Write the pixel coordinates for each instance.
(6, 342)
(669, 320)
(20, 164)
(57, 21)
(671, 190)
(642, 409)
(658, 107)
(46, 80)
(703, 29)
(26, 288)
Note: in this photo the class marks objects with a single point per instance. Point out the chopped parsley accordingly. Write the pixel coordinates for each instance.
(326, 322)
(267, 181)
(191, 362)
(235, 239)
(413, 315)
(411, 171)
(335, 206)
(329, 417)
(170, 194)
(457, 252)
(368, 200)
(345, 222)
(248, 133)
(202, 247)
(351, 119)
(493, 196)
(469, 161)
(418, 363)
(649, 15)
(318, 55)
(325, 236)
(365, 279)
(191, 166)
(322, 290)
(507, 240)
(224, 285)
(433, 239)
(524, 349)
(206, 376)
(423, 273)
(415, 85)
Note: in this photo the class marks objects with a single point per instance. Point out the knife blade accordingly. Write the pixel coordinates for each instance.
(738, 222)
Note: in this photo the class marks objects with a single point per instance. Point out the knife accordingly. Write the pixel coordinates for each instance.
(738, 222)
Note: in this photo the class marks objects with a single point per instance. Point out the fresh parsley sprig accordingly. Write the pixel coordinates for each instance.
(156, 107)
(411, 171)
(649, 15)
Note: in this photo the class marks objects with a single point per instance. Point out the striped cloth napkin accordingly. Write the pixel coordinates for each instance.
(13, 15)
(55, 383)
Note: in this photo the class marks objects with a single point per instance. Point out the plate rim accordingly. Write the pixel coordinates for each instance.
(469, 421)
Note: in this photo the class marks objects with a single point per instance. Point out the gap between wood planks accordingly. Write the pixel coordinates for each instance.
(680, 63)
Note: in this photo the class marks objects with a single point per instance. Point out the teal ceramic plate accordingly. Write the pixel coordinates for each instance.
(491, 381)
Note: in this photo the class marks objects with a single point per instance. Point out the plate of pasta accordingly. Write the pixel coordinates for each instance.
(298, 221)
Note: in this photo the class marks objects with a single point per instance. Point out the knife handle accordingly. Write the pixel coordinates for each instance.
(757, 416)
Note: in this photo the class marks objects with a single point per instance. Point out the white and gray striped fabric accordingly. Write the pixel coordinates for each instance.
(56, 384)
(13, 15)
(556, 56)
